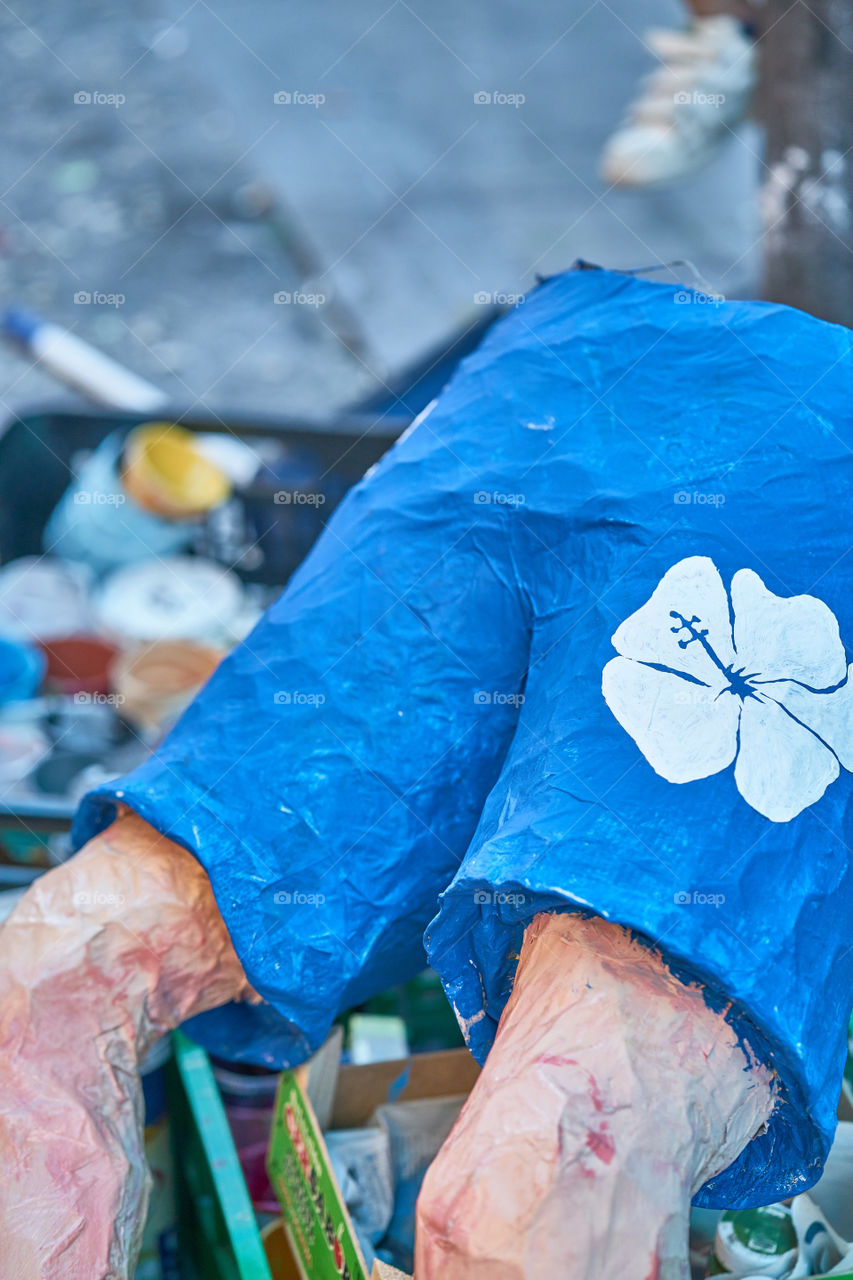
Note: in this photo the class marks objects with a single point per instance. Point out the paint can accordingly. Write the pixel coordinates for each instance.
(154, 684)
(42, 598)
(179, 598)
(21, 670)
(97, 524)
(78, 664)
(755, 1242)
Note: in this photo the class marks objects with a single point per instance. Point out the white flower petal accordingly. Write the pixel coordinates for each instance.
(684, 730)
(693, 588)
(781, 767)
(829, 714)
(781, 638)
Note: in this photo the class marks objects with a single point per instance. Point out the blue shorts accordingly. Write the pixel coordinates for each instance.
(580, 643)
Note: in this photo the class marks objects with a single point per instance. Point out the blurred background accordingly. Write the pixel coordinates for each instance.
(145, 158)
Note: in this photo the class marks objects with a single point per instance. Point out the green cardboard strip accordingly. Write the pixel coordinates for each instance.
(317, 1223)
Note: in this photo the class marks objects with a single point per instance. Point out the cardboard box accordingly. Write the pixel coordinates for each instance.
(320, 1095)
(316, 1220)
(382, 1271)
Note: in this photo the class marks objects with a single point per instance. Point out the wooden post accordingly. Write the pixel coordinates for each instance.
(806, 101)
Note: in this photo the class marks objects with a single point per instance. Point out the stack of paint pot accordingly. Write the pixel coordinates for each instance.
(136, 505)
(41, 602)
(106, 637)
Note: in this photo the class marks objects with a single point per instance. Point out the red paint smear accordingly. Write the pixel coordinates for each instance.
(654, 1273)
(601, 1145)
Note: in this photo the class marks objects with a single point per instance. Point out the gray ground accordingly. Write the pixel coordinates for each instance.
(399, 198)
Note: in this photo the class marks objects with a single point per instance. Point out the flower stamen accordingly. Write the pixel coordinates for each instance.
(738, 683)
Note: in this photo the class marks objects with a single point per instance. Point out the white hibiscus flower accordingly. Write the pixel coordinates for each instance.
(705, 679)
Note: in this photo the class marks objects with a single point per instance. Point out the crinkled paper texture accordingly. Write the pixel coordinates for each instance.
(604, 433)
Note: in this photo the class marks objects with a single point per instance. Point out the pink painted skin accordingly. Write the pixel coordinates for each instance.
(611, 1094)
(612, 1091)
(100, 958)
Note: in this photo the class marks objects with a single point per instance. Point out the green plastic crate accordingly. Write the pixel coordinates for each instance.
(218, 1233)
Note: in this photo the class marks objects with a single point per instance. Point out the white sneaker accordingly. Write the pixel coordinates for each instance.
(686, 107)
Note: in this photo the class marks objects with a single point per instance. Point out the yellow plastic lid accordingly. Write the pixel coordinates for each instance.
(165, 471)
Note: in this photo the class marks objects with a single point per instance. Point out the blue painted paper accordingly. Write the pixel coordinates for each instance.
(579, 642)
